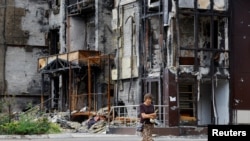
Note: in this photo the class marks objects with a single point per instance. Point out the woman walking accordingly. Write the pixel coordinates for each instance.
(147, 112)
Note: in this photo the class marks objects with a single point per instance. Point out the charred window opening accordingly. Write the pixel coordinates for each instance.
(54, 46)
(90, 37)
(57, 2)
(187, 104)
(203, 61)
(54, 5)
(154, 18)
(55, 93)
(209, 52)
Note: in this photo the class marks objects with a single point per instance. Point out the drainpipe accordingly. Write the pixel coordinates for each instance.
(89, 86)
(70, 88)
(68, 34)
(4, 46)
(42, 96)
(212, 70)
(214, 103)
(177, 50)
(109, 84)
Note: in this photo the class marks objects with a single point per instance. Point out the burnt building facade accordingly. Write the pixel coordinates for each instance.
(69, 54)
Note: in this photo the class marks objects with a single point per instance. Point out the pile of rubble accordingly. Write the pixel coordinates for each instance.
(74, 126)
(94, 122)
(90, 121)
(89, 125)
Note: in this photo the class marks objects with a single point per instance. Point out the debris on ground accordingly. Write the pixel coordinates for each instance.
(85, 121)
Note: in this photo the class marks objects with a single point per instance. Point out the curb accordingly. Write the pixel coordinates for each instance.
(87, 135)
(54, 136)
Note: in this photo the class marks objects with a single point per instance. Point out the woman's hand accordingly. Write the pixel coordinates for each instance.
(153, 115)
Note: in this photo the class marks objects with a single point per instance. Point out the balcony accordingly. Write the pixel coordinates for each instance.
(64, 61)
(81, 6)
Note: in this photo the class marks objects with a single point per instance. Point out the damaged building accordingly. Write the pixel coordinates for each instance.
(79, 56)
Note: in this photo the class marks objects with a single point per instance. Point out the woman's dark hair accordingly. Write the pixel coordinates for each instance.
(148, 96)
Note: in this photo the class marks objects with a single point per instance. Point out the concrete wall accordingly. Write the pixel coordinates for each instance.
(34, 22)
(155, 63)
(26, 23)
(77, 34)
(21, 71)
(26, 28)
(241, 117)
(103, 28)
(127, 43)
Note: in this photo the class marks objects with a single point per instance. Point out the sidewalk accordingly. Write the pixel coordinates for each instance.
(87, 135)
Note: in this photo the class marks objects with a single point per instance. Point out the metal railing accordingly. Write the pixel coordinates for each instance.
(129, 116)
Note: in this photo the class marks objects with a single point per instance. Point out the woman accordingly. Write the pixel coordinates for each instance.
(147, 112)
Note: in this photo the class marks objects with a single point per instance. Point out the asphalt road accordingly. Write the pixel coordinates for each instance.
(82, 137)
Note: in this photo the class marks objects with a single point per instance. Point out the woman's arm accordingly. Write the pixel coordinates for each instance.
(152, 115)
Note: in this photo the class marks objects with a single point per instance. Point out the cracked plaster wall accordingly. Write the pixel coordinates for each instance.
(155, 57)
(26, 27)
(103, 28)
(128, 23)
(33, 21)
(78, 33)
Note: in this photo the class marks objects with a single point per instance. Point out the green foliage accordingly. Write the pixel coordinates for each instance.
(54, 128)
(28, 126)
(4, 119)
(27, 123)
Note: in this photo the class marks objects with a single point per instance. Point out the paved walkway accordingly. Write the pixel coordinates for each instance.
(84, 135)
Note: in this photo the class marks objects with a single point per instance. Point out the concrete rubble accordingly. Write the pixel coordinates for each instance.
(100, 126)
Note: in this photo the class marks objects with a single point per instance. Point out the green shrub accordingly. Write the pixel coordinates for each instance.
(54, 128)
(4, 119)
(27, 126)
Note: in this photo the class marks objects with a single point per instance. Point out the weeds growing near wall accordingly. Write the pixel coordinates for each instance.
(26, 126)
(28, 123)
